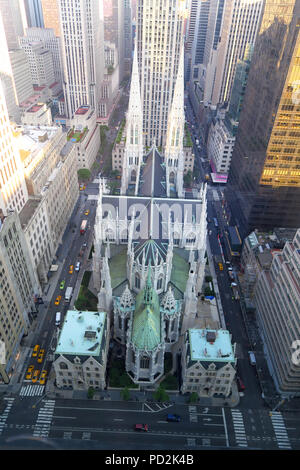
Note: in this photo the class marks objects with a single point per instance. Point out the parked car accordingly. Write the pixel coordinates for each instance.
(141, 427)
(240, 384)
(77, 267)
(174, 418)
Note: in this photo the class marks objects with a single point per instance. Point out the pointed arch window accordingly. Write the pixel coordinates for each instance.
(131, 135)
(177, 137)
(144, 362)
(191, 238)
(173, 137)
(137, 281)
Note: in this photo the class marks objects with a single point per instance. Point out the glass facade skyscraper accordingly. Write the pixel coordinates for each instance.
(264, 180)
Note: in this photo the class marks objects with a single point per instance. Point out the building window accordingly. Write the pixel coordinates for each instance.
(137, 282)
(144, 362)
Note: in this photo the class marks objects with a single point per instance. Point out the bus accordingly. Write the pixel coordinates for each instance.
(83, 227)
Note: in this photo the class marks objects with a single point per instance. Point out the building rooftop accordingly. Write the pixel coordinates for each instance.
(28, 210)
(81, 333)
(35, 108)
(82, 110)
(31, 139)
(211, 345)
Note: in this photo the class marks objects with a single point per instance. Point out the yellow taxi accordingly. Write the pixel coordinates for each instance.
(71, 269)
(43, 377)
(35, 376)
(41, 355)
(57, 300)
(35, 350)
(221, 266)
(87, 212)
(29, 372)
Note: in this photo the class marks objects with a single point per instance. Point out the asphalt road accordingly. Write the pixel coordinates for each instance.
(110, 425)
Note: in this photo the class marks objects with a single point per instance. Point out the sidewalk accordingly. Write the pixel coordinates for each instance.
(215, 284)
(139, 396)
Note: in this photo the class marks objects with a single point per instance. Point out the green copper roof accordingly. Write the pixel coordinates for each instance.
(146, 327)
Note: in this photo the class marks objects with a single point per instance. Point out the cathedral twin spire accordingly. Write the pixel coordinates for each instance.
(134, 147)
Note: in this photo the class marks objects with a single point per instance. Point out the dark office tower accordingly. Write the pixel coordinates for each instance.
(34, 13)
(264, 180)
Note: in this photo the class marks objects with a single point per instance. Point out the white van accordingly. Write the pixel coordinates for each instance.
(77, 267)
(57, 318)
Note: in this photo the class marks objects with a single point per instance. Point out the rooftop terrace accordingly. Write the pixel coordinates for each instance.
(81, 333)
(211, 345)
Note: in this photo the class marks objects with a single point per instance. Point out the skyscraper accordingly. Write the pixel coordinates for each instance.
(264, 180)
(159, 43)
(277, 298)
(82, 52)
(240, 23)
(34, 13)
(113, 12)
(13, 190)
(51, 15)
(14, 20)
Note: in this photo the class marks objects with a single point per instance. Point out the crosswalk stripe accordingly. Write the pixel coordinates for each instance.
(280, 431)
(31, 390)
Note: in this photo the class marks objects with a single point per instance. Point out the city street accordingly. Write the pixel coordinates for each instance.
(57, 421)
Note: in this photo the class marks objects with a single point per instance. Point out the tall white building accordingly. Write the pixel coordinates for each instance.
(13, 190)
(40, 62)
(18, 288)
(240, 24)
(6, 75)
(14, 20)
(50, 42)
(82, 52)
(159, 43)
(277, 298)
(21, 74)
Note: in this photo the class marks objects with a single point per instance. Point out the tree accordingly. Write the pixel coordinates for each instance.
(84, 174)
(160, 394)
(125, 393)
(188, 179)
(193, 398)
(91, 392)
